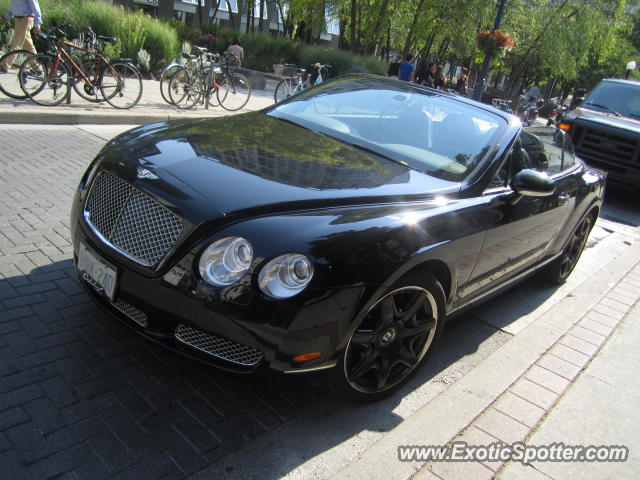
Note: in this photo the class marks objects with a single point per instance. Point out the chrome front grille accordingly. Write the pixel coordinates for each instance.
(130, 221)
(132, 312)
(607, 147)
(217, 346)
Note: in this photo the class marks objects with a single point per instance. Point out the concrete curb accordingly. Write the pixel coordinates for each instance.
(84, 118)
(444, 417)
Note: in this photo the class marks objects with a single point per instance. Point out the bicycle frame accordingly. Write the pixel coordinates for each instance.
(299, 86)
(61, 53)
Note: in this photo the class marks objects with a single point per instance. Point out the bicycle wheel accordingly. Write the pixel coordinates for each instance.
(283, 90)
(234, 92)
(45, 79)
(164, 82)
(183, 90)
(9, 82)
(121, 85)
(91, 69)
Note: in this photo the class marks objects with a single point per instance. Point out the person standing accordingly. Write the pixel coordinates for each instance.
(422, 71)
(407, 69)
(237, 51)
(26, 16)
(461, 85)
(439, 80)
(430, 81)
(394, 68)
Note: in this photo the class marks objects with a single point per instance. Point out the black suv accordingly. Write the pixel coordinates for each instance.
(605, 128)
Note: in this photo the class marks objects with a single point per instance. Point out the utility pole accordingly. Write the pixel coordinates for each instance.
(484, 71)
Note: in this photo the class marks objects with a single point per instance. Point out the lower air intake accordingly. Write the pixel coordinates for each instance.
(217, 346)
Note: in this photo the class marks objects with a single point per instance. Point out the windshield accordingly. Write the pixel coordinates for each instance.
(430, 132)
(616, 98)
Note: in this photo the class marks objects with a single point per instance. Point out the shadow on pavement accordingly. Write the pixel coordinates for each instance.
(98, 385)
(621, 205)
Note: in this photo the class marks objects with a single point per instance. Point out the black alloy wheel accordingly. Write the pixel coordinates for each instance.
(559, 270)
(392, 339)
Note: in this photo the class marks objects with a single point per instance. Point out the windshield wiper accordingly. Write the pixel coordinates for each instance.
(610, 110)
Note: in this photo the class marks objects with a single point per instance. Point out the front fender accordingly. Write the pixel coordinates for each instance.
(169, 67)
(371, 246)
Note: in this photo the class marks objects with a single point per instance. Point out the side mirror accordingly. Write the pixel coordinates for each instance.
(533, 183)
(575, 101)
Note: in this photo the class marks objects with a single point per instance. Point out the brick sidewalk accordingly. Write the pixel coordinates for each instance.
(80, 396)
(523, 407)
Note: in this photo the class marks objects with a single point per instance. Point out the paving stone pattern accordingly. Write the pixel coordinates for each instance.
(81, 396)
(516, 414)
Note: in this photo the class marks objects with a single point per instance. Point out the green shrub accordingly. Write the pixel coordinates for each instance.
(163, 40)
(185, 32)
(263, 51)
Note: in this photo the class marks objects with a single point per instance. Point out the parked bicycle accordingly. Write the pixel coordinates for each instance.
(173, 68)
(10, 84)
(295, 80)
(89, 64)
(189, 87)
(48, 78)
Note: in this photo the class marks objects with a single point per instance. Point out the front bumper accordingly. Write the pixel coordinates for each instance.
(236, 329)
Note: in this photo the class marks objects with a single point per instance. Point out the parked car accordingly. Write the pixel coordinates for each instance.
(605, 129)
(337, 230)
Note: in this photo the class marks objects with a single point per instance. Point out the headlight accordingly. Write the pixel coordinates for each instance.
(286, 275)
(226, 261)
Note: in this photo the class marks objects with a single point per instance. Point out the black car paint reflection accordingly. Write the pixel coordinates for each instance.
(365, 220)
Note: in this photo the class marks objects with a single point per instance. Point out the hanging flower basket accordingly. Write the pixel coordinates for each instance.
(497, 42)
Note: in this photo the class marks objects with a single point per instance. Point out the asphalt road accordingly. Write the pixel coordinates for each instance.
(83, 397)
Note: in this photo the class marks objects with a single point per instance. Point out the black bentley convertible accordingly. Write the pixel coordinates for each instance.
(336, 230)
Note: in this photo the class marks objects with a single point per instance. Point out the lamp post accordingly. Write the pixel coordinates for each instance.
(484, 71)
(630, 67)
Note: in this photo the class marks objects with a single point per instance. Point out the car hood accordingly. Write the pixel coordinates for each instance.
(605, 118)
(254, 161)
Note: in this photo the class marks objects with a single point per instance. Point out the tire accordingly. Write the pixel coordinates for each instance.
(164, 82)
(121, 85)
(234, 92)
(391, 339)
(91, 69)
(45, 80)
(9, 82)
(559, 270)
(283, 90)
(182, 89)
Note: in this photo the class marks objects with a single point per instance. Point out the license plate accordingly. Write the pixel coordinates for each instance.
(96, 272)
